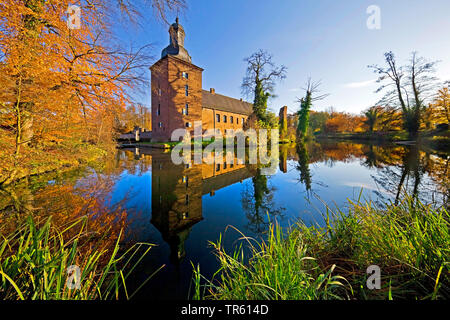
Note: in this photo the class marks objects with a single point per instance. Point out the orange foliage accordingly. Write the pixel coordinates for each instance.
(59, 85)
(440, 109)
(344, 122)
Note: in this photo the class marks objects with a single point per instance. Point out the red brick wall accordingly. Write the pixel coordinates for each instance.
(209, 118)
(167, 76)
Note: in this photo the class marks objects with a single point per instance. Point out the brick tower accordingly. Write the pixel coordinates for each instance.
(176, 86)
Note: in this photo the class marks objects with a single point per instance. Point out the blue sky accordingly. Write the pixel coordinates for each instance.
(325, 39)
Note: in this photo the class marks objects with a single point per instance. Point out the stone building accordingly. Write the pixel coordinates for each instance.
(178, 99)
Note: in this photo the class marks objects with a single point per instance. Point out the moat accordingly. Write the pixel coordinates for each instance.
(180, 208)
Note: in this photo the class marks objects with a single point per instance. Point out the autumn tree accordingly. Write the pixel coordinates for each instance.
(62, 87)
(441, 106)
(372, 115)
(407, 86)
(260, 79)
(135, 115)
(317, 121)
(340, 122)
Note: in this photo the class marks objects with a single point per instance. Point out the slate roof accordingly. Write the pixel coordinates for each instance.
(223, 103)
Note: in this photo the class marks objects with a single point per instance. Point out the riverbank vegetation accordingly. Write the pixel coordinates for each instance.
(409, 241)
(52, 221)
(66, 86)
(41, 260)
(415, 106)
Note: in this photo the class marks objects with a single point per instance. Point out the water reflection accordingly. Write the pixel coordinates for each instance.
(303, 166)
(177, 192)
(182, 207)
(258, 203)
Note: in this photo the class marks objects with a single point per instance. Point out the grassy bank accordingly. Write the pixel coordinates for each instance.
(35, 260)
(410, 242)
(38, 161)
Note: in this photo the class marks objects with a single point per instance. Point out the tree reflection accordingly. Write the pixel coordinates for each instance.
(259, 205)
(65, 198)
(372, 159)
(437, 167)
(406, 177)
(303, 166)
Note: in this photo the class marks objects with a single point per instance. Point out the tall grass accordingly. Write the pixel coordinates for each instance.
(34, 263)
(410, 242)
(278, 269)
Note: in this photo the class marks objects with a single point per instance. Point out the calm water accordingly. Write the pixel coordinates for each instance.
(180, 208)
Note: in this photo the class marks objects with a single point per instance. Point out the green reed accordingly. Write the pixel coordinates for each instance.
(279, 268)
(410, 242)
(34, 261)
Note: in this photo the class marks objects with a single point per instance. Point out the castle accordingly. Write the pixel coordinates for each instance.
(178, 99)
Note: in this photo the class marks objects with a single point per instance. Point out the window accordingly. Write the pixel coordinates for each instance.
(237, 120)
(185, 75)
(160, 124)
(231, 119)
(218, 118)
(187, 199)
(243, 121)
(224, 166)
(225, 119)
(188, 125)
(186, 110)
(185, 215)
(218, 167)
(159, 91)
(158, 111)
(186, 88)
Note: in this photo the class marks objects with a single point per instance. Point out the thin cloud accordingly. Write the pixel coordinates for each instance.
(361, 84)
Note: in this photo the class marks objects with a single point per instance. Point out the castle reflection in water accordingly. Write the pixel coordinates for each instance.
(177, 192)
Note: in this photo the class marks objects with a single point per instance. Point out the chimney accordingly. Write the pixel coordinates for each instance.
(212, 90)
